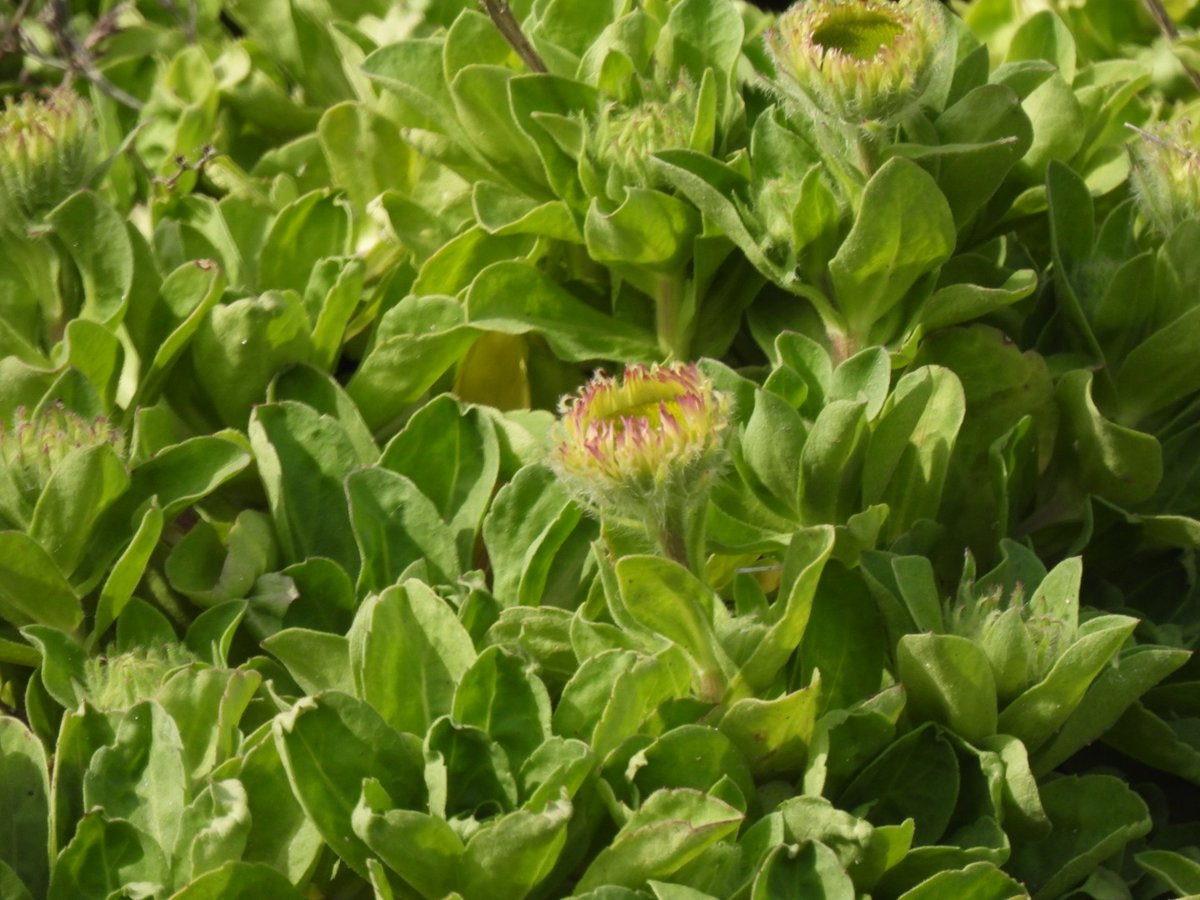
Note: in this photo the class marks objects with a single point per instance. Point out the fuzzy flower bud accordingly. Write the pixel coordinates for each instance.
(644, 447)
(48, 147)
(625, 137)
(33, 446)
(1166, 174)
(857, 61)
(126, 679)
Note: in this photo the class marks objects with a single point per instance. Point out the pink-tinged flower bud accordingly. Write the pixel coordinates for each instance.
(32, 447)
(48, 148)
(1166, 174)
(857, 61)
(644, 448)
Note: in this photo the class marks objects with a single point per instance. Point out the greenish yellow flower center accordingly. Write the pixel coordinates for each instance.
(860, 34)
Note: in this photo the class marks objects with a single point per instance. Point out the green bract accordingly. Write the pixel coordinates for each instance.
(1166, 175)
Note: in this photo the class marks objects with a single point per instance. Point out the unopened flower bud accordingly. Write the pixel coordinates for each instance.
(126, 679)
(48, 147)
(627, 136)
(857, 61)
(1166, 174)
(32, 447)
(644, 447)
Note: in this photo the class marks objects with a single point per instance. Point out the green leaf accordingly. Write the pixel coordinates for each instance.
(1161, 370)
(1114, 690)
(831, 463)
(240, 347)
(669, 600)
(405, 362)
(515, 298)
(94, 236)
(141, 777)
(510, 855)
(96, 353)
(215, 827)
(1040, 711)
(911, 445)
(468, 773)
(691, 756)
(207, 705)
(530, 520)
(82, 487)
(773, 439)
(394, 526)
(422, 849)
(807, 869)
(917, 777)
(1177, 871)
(787, 618)
(948, 679)
(453, 453)
(63, 664)
(105, 856)
(650, 230)
(127, 571)
(844, 639)
(281, 835)
(32, 587)
(1094, 817)
(671, 828)
(237, 880)
(317, 660)
(81, 733)
(303, 458)
(329, 744)
(189, 471)
(990, 118)
(25, 796)
(499, 695)
(310, 228)
(904, 230)
(408, 651)
(774, 735)
(978, 881)
(185, 299)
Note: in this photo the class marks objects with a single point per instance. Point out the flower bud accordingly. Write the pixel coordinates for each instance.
(33, 446)
(626, 136)
(857, 61)
(126, 679)
(1166, 174)
(644, 447)
(48, 147)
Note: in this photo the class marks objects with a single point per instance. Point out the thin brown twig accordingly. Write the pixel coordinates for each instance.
(75, 56)
(501, 15)
(1163, 19)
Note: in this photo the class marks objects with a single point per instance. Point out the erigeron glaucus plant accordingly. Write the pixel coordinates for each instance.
(48, 148)
(623, 138)
(643, 449)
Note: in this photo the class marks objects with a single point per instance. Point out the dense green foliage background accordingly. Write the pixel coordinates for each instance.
(291, 604)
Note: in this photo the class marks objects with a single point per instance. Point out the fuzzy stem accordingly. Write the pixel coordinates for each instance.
(668, 307)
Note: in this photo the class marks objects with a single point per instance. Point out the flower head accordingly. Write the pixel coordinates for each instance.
(1166, 174)
(857, 60)
(48, 147)
(641, 444)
